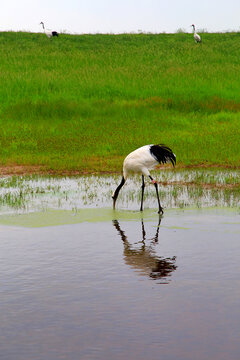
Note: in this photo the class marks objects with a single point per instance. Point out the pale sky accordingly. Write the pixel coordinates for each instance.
(118, 16)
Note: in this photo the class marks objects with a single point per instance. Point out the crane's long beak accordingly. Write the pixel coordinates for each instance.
(114, 202)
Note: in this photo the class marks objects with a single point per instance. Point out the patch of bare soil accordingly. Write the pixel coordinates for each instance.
(19, 170)
(10, 170)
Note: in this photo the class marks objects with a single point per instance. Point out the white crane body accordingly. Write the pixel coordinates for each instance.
(48, 32)
(196, 37)
(141, 161)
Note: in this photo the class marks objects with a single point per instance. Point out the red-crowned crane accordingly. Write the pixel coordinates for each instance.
(48, 32)
(196, 37)
(141, 161)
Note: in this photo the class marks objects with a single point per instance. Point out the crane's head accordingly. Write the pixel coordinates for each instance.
(193, 27)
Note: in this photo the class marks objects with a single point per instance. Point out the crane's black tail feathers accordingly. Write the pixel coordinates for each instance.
(163, 154)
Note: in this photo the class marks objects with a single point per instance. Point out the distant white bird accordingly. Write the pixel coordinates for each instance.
(141, 161)
(196, 37)
(48, 32)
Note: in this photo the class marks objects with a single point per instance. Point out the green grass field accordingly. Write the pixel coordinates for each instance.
(82, 102)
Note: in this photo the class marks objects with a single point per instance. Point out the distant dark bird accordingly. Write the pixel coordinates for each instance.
(141, 161)
(196, 37)
(48, 32)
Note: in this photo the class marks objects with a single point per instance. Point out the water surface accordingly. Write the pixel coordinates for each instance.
(122, 289)
(81, 281)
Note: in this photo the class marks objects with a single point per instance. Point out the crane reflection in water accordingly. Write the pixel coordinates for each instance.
(144, 258)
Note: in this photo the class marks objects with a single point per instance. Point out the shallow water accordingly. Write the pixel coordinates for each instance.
(122, 289)
(26, 194)
(95, 284)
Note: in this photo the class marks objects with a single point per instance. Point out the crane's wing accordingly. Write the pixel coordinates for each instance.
(163, 154)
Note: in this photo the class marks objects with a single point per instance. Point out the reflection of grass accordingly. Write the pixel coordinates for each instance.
(15, 200)
(81, 103)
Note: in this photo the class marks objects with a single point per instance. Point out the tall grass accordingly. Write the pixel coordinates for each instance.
(83, 102)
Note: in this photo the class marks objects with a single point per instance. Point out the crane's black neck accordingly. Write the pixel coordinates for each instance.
(115, 195)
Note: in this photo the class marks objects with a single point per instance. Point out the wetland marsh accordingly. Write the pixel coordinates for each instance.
(81, 281)
(178, 189)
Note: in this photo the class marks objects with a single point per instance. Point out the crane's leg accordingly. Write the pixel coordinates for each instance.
(143, 186)
(160, 209)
